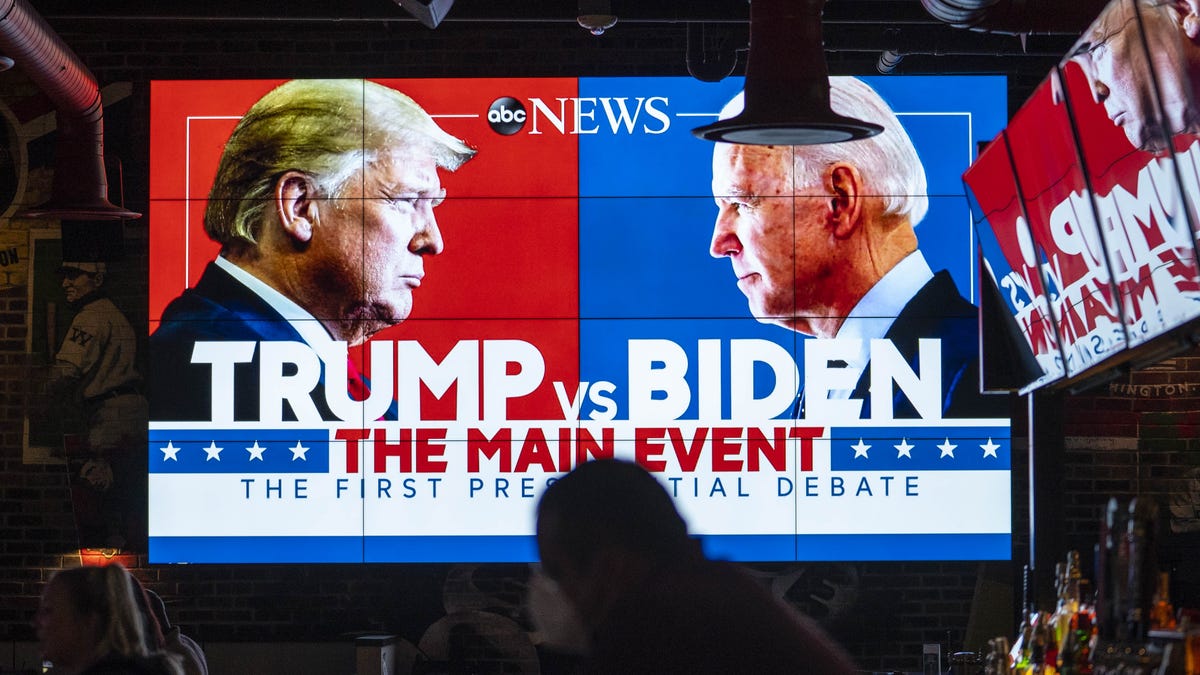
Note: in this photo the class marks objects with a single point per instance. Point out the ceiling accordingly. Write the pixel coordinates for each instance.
(1038, 16)
(1020, 38)
(903, 27)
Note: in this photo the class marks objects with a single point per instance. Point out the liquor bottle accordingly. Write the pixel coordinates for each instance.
(1112, 565)
(1043, 654)
(997, 662)
(1068, 653)
(1143, 515)
(1076, 655)
(1111, 600)
(1037, 651)
(1020, 657)
(1101, 593)
(1089, 632)
(1085, 634)
(1162, 614)
(1068, 598)
(1050, 654)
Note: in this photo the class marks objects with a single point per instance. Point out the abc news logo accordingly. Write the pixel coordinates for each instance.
(592, 115)
(506, 116)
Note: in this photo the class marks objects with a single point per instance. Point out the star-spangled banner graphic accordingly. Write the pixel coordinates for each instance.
(239, 451)
(929, 448)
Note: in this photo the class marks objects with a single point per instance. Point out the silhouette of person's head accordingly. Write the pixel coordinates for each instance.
(602, 528)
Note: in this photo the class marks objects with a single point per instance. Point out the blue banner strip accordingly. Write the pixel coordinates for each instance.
(930, 448)
(749, 547)
(174, 550)
(742, 548)
(239, 451)
(495, 549)
(838, 547)
(857, 547)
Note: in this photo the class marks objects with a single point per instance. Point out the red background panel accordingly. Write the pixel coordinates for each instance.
(1047, 166)
(504, 257)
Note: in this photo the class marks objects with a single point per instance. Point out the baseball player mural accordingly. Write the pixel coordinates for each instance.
(95, 369)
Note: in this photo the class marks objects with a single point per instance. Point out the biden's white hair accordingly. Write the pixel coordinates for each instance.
(888, 161)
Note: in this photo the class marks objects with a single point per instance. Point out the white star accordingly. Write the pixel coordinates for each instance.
(947, 449)
(256, 452)
(170, 452)
(989, 448)
(298, 452)
(904, 449)
(213, 452)
(860, 450)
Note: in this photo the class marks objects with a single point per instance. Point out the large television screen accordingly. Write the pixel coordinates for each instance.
(1103, 156)
(786, 337)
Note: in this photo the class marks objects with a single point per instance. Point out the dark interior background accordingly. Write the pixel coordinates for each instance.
(1133, 436)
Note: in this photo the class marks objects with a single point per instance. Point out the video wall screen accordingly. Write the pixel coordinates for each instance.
(1011, 264)
(386, 314)
(1103, 246)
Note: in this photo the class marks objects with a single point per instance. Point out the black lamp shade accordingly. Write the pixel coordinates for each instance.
(787, 83)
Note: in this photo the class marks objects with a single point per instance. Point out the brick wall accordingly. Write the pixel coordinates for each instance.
(1135, 436)
(1138, 437)
(883, 612)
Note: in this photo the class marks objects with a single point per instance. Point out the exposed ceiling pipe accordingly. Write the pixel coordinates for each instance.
(711, 56)
(1015, 17)
(888, 60)
(80, 188)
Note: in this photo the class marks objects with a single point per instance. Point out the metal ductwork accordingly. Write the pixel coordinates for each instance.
(1016, 17)
(80, 189)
